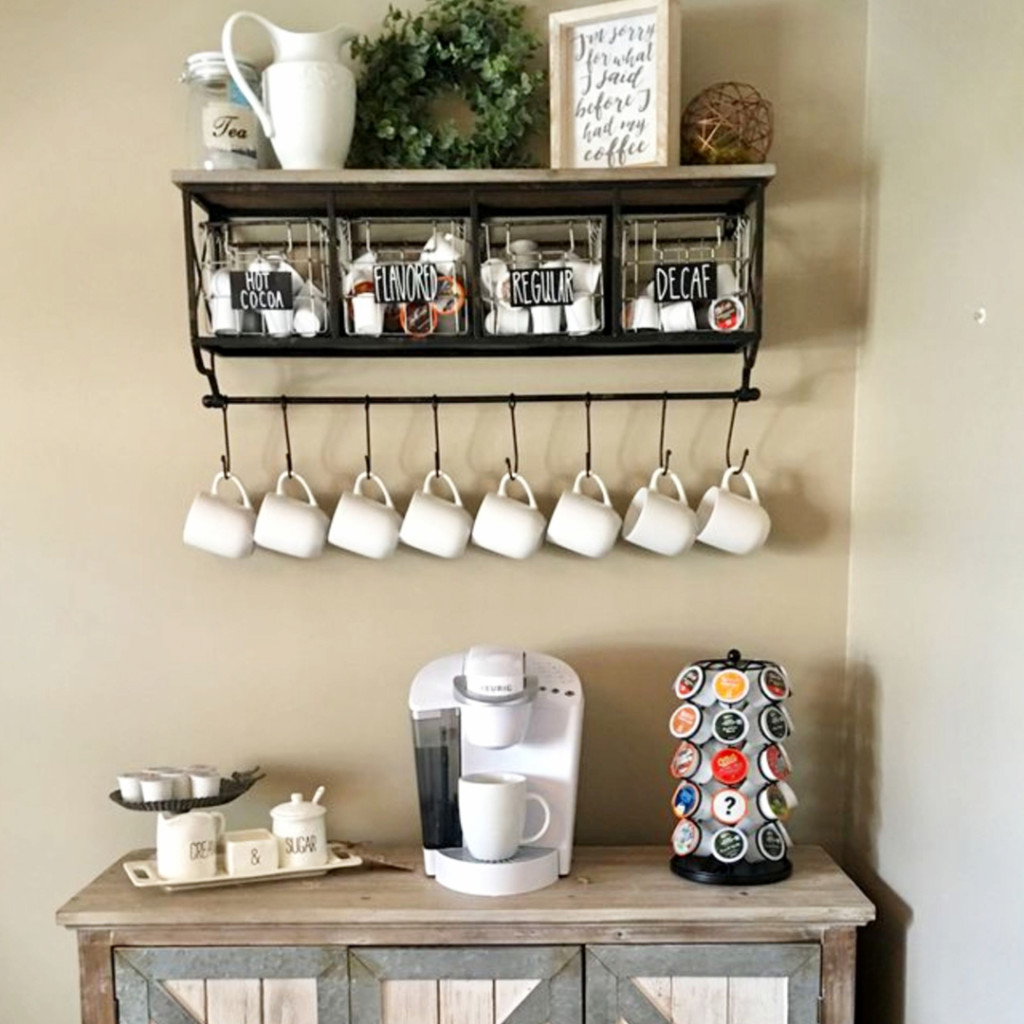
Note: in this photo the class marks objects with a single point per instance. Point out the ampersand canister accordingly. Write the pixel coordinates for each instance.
(301, 831)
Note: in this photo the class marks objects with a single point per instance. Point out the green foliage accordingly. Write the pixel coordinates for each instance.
(476, 49)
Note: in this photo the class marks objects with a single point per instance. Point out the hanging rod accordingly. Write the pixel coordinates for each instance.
(743, 394)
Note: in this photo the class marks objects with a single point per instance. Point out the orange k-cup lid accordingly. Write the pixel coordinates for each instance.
(685, 721)
(731, 686)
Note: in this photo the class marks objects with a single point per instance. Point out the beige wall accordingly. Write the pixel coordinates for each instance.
(122, 647)
(937, 561)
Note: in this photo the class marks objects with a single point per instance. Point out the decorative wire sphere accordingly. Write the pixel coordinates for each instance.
(727, 123)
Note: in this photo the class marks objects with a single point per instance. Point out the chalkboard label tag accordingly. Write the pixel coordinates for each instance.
(686, 282)
(261, 289)
(405, 282)
(541, 286)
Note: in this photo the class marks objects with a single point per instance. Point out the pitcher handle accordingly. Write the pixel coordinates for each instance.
(220, 823)
(236, 74)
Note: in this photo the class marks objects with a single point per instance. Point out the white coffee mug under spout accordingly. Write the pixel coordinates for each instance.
(492, 813)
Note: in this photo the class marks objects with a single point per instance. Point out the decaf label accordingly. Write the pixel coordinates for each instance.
(689, 681)
(261, 289)
(405, 282)
(540, 286)
(685, 282)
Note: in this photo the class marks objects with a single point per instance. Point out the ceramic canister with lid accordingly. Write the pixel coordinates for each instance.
(301, 831)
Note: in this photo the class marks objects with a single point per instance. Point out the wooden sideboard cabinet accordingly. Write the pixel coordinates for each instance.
(620, 940)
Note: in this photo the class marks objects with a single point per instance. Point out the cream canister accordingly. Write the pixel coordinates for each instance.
(301, 831)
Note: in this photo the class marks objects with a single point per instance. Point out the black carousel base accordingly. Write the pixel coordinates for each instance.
(710, 871)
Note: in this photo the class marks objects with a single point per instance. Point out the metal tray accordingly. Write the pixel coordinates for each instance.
(230, 789)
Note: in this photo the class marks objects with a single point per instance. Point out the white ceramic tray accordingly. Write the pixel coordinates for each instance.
(143, 873)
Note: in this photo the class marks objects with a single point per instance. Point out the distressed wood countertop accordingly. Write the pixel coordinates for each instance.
(616, 890)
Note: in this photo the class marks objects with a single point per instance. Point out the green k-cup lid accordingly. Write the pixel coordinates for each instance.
(770, 843)
(729, 845)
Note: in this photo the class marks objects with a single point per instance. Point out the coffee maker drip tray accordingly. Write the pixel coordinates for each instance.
(533, 867)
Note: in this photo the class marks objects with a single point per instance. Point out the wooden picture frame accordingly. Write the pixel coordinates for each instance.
(614, 72)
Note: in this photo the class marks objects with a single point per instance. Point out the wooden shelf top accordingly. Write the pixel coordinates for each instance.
(620, 887)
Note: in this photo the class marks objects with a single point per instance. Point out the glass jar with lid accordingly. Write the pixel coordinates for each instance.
(222, 130)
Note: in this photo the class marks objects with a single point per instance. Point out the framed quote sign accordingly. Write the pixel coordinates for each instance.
(615, 85)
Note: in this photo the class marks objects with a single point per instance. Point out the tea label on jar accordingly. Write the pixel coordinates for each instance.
(689, 682)
(685, 721)
(729, 845)
(770, 843)
(774, 723)
(729, 767)
(731, 686)
(729, 806)
(773, 683)
(685, 837)
(729, 726)
(685, 761)
(230, 127)
(685, 800)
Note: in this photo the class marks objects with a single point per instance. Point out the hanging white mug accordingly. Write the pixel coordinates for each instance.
(506, 525)
(290, 525)
(435, 524)
(659, 522)
(363, 525)
(219, 525)
(729, 521)
(584, 524)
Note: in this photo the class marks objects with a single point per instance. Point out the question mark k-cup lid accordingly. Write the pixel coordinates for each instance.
(686, 837)
(686, 800)
(729, 806)
(729, 766)
(731, 686)
(685, 761)
(685, 721)
(689, 682)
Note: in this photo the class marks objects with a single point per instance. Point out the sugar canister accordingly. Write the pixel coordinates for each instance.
(301, 831)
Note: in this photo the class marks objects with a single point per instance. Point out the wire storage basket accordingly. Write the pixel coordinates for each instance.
(405, 277)
(542, 275)
(687, 273)
(265, 277)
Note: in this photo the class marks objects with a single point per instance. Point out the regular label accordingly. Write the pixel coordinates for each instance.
(405, 282)
(685, 282)
(689, 682)
(685, 761)
(541, 286)
(729, 806)
(729, 767)
(685, 800)
(731, 686)
(230, 127)
(261, 289)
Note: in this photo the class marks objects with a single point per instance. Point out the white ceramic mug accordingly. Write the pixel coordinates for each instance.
(364, 525)
(506, 525)
(445, 249)
(642, 314)
(223, 319)
(586, 274)
(507, 320)
(581, 314)
(729, 521)
(290, 525)
(219, 525)
(492, 813)
(367, 314)
(186, 844)
(678, 316)
(310, 311)
(494, 276)
(584, 524)
(525, 253)
(435, 524)
(660, 522)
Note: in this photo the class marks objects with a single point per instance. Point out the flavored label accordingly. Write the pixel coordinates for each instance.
(685, 761)
(770, 843)
(774, 723)
(729, 806)
(685, 721)
(686, 837)
(775, 763)
(729, 845)
(729, 767)
(773, 684)
(729, 726)
(689, 682)
(731, 686)
(685, 800)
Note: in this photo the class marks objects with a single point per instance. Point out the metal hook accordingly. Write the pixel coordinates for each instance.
(513, 464)
(366, 457)
(437, 439)
(663, 455)
(225, 459)
(728, 442)
(586, 404)
(287, 436)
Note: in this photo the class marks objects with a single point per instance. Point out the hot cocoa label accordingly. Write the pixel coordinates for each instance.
(261, 289)
(541, 286)
(685, 282)
(405, 282)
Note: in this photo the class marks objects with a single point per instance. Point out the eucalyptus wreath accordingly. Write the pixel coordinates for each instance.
(478, 50)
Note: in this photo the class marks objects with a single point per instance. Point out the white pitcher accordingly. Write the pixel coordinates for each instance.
(310, 95)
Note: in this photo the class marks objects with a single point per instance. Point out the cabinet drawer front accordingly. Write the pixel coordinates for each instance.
(467, 985)
(232, 985)
(703, 984)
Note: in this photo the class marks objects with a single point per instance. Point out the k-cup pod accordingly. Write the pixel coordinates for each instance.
(678, 316)
(205, 782)
(728, 806)
(130, 786)
(693, 684)
(770, 841)
(728, 845)
(156, 787)
(508, 526)
(773, 763)
(181, 784)
(686, 800)
(367, 314)
(689, 762)
(726, 314)
(686, 838)
(690, 722)
(360, 270)
(291, 526)
(774, 723)
(771, 685)
(730, 726)
(662, 523)
(310, 311)
(223, 319)
(221, 525)
(776, 801)
(730, 686)
(546, 319)
(641, 314)
(729, 521)
(507, 320)
(730, 767)
(439, 526)
(584, 524)
(581, 314)
(364, 525)
(525, 253)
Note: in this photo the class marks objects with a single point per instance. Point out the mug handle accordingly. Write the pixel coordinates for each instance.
(547, 818)
(747, 479)
(441, 475)
(363, 477)
(521, 480)
(229, 58)
(661, 474)
(238, 484)
(584, 475)
(295, 476)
